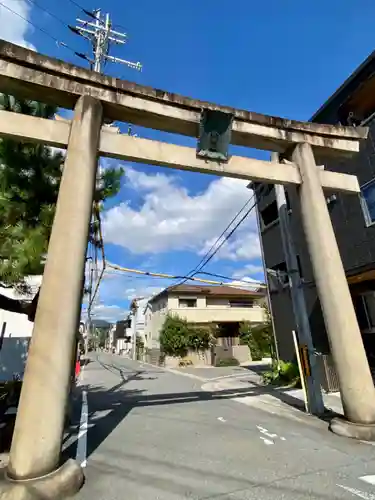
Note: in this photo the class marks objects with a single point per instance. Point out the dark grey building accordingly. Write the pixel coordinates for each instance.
(353, 219)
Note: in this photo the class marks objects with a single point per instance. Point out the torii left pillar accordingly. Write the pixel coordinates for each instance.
(37, 440)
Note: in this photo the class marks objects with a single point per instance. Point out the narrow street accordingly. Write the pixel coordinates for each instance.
(153, 434)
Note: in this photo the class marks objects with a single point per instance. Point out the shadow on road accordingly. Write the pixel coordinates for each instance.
(108, 407)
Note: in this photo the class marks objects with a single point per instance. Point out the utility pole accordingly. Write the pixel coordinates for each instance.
(100, 34)
(315, 402)
(134, 334)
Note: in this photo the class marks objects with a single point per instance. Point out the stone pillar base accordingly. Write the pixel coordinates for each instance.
(342, 427)
(66, 481)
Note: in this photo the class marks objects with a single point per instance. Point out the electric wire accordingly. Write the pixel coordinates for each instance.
(208, 256)
(42, 30)
(104, 263)
(150, 274)
(51, 14)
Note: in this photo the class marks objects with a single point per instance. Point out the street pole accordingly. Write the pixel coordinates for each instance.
(268, 287)
(37, 437)
(314, 393)
(134, 333)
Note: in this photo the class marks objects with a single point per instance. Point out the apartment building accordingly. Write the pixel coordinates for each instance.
(119, 337)
(137, 315)
(352, 217)
(223, 306)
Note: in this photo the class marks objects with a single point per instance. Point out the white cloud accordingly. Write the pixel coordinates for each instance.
(13, 28)
(110, 313)
(248, 269)
(171, 219)
(143, 291)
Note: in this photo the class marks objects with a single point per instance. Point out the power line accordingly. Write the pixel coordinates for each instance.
(51, 14)
(202, 262)
(229, 235)
(78, 5)
(37, 27)
(42, 30)
(179, 277)
(205, 259)
(104, 264)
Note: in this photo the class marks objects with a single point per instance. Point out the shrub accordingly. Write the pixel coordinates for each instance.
(228, 362)
(199, 339)
(178, 336)
(174, 336)
(259, 338)
(287, 373)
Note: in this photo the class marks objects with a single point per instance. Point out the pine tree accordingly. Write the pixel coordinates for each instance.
(30, 176)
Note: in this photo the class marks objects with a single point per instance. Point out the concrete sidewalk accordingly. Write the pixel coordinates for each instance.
(250, 376)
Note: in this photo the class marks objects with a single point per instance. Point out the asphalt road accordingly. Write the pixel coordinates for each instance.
(145, 433)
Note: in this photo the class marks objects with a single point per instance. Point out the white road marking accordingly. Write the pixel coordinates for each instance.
(368, 479)
(245, 375)
(266, 441)
(358, 493)
(265, 402)
(265, 432)
(221, 419)
(270, 435)
(82, 434)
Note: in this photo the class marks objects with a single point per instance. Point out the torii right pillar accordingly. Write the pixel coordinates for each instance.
(356, 384)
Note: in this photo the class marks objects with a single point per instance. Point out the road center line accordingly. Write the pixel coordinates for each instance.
(81, 456)
(358, 493)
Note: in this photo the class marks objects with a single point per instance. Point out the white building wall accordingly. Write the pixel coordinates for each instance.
(15, 332)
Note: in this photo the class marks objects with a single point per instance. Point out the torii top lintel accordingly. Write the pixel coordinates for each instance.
(26, 73)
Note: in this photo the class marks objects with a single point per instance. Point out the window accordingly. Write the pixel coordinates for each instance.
(187, 302)
(263, 189)
(241, 303)
(269, 214)
(364, 306)
(282, 278)
(368, 201)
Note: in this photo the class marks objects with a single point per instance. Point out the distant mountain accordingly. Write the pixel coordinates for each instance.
(100, 323)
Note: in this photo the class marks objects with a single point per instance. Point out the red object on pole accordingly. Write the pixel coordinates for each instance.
(78, 367)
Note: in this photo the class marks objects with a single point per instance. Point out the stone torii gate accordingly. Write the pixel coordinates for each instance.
(36, 446)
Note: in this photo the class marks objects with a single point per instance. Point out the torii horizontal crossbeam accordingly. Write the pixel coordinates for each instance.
(26, 73)
(56, 133)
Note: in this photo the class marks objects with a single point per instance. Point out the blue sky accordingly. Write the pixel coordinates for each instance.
(283, 58)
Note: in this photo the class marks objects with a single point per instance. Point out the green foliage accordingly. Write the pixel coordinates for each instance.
(139, 342)
(101, 334)
(174, 336)
(259, 338)
(228, 362)
(30, 176)
(247, 338)
(286, 373)
(199, 339)
(178, 336)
